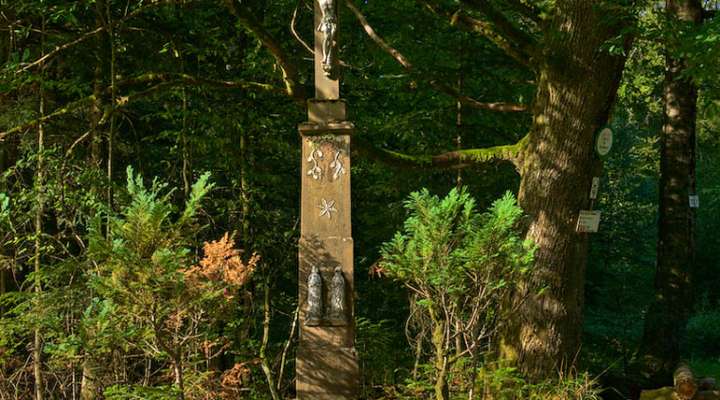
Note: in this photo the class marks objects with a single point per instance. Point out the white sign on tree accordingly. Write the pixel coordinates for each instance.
(588, 221)
(604, 142)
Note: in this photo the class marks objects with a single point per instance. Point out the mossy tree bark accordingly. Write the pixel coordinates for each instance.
(675, 251)
(577, 84)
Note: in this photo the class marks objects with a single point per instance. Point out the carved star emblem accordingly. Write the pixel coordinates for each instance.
(327, 208)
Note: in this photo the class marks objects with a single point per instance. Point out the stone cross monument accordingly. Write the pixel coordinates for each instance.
(326, 364)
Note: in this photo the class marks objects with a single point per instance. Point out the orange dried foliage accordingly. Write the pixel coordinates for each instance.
(234, 380)
(222, 263)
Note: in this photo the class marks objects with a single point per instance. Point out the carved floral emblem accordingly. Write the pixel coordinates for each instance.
(327, 207)
(317, 169)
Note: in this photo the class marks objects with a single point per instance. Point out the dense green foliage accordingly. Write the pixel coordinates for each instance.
(177, 88)
(461, 269)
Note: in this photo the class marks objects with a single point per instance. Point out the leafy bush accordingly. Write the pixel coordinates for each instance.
(503, 383)
(493, 381)
(461, 268)
(153, 296)
(703, 335)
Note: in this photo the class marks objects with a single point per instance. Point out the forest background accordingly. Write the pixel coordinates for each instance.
(178, 89)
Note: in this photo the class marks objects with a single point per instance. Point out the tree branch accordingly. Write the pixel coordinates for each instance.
(164, 81)
(464, 21)
(76, 105)
(525, 42)
(87, 35)
(441, 87)
(196, 81)
(294, 31)
(290, 72)
(526, 10)
(450, 160)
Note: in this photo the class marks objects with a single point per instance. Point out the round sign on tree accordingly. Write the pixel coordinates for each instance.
(604, 142)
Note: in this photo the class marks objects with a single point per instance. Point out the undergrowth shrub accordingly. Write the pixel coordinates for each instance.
(461, 268)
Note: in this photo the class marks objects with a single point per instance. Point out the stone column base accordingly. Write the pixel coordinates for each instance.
(327, 373)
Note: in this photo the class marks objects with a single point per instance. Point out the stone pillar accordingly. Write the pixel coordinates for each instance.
(326, 363)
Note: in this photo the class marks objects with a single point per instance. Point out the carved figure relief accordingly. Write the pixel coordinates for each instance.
(314, 298)
(328, 27)
(337, 314)
(327, 207)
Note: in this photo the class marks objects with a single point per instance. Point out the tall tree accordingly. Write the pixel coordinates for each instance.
(577, 50)
(578, 81)
(670, 309)
(39, 211)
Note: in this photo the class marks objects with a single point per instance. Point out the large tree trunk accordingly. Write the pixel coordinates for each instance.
(578, 81)
(675, 252)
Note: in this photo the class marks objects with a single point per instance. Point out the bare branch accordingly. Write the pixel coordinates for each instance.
(439, 86)
(483, 28)
(376, 38)
(196, 81)
(505, 27)
(166, 81)
(76, 105)
(462, 20)
(58, 49)
(526, 10)
(289, 69)
(94, 32)
(294, 31)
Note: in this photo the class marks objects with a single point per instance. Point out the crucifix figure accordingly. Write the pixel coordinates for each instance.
(328, 28)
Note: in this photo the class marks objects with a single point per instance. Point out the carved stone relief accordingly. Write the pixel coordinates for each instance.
(337, 166)
(316, 155)
(336, 309)
(314, 298)
(333, 311)
(316, 168)
(327, 207)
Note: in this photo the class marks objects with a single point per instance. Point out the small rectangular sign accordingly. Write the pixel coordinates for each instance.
(588, 221)
(694, 201)
(594, 188)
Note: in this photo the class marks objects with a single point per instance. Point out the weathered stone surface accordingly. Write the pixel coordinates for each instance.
(327, 373)
(326, 254)
(325, 205)
(323, 111)
(326, 360)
